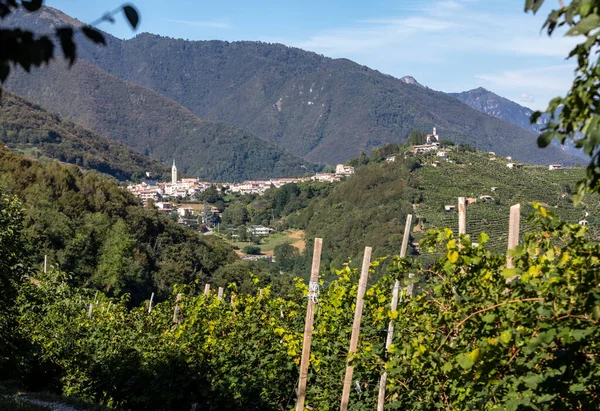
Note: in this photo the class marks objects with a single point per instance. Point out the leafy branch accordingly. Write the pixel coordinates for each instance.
(27, 49)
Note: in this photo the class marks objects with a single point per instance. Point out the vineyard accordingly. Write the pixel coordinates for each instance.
(467, 338)
(474, 174)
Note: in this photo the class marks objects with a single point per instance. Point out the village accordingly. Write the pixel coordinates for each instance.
(173, 198)
(181, 188)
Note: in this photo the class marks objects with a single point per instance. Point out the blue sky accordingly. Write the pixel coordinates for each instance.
(448, 45)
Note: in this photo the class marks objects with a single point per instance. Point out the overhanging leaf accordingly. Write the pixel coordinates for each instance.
(93, 34)
(585, 25)
(32, 5)
(132, 15)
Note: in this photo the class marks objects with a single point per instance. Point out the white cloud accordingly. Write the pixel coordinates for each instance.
(555, 78)
(526, 98)
(375, 34)
(206, 24)
(541, 84)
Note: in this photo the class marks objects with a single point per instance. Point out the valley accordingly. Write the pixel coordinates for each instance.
(193, 220)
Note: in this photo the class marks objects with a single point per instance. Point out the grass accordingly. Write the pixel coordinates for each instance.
(269, 242)
(28, 150)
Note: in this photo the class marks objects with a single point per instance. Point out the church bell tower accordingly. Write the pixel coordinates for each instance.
(174, 173)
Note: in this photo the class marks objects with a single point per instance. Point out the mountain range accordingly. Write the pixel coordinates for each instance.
(194, 100)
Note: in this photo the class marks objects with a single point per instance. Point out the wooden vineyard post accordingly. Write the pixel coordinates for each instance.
(394, 306)
(220, 294)
(313, 291)
(362, 286)
(513, 231)
(206, 289)
(45, 263)
(176, 310)
(462, 216)
(90, 311)
(150, 304)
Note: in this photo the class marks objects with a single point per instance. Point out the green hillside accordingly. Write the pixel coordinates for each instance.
(27, 128)
(100, 235)
(370, 207)
(474, 174)
(153, 124)
(322, 109)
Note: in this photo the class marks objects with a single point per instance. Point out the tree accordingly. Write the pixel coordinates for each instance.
(11, 269)
(577, 115)
(26, 49)
(242, 233)
(210, 195)
(117, 270)
(286, 256)
(236, 214)
(416, 137)
(251, 250)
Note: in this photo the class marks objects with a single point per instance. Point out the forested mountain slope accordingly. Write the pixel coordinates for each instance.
(26, 127)
(319, 108)
(153, 124)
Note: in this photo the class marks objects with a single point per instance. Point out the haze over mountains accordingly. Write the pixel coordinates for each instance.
(193, 100)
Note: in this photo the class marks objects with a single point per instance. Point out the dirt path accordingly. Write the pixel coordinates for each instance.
(299, 235)
(54, 406)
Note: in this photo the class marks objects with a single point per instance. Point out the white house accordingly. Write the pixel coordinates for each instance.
(555, 167)
(390, 159)
(342, 170)
(259, 230)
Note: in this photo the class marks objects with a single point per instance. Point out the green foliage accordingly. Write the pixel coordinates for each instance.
(12, 269)
(286, 256)
(210, 195)
(416, 137)
(576, 116)
(101, 235)
(488, 343)
(251, 250)
(116, 266)
(235, 215)
(467, 339)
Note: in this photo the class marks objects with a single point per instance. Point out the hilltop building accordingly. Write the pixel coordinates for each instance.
(430, 137)
(433, 143)
(342, 170)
